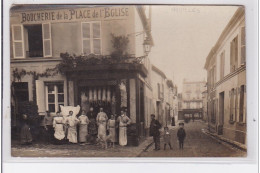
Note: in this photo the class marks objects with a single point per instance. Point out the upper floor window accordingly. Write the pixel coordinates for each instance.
(222, 65)
(32, 40)
(188, 96)
(243, 45)
(91, 37)
(233, 54)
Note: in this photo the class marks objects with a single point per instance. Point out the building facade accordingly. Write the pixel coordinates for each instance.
(81, 40)
(192, 98)
(205, 106)
(163, 95)
(226, 69)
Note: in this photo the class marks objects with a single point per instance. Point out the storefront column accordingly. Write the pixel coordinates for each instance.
(71, 92)
(132, 100)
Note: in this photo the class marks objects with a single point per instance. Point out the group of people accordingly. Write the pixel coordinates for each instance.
(92, 128)
(88, 127)
(155, 127)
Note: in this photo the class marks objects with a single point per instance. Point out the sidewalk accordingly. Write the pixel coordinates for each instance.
(225, 140)
(77, 150)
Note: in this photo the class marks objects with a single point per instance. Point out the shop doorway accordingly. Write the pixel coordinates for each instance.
(97, 97)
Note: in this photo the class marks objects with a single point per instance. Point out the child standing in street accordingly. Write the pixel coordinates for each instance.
(181, 135)
(167, 138)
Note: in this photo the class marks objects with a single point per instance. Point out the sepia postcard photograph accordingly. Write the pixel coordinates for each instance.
(128, 81)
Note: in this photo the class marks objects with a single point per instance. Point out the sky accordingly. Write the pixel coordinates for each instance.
(183, 37)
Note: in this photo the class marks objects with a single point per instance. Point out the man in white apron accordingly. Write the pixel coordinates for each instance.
(123, 121)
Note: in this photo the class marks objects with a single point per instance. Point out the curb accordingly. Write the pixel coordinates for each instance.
(145, 149)
(228, 141)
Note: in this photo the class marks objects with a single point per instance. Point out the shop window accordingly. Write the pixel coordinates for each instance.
(233, 54)
(54, 96)
(91, 37)
(32, 40)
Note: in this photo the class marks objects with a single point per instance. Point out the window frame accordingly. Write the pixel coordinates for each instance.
(23, 41)
(56, 93)
(91, 38)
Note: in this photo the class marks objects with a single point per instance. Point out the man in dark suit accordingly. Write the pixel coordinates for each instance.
(181, 134)
(154, 131)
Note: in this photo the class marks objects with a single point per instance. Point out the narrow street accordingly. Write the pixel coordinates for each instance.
(197, 144)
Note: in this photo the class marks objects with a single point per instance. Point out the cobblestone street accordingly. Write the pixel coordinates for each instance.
(197, 144)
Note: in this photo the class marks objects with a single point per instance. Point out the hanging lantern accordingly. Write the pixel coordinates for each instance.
(90, 95)
(108, 94)
(99, 94)
(104, 95)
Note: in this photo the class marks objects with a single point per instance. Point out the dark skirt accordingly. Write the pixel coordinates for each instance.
(26, 136)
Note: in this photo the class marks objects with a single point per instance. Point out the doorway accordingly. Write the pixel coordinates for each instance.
(221, 111)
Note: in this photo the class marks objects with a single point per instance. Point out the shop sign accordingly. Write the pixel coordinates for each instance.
(74, 14)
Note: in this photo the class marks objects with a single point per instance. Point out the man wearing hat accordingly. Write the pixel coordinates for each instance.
(154, 131)
(181, 135)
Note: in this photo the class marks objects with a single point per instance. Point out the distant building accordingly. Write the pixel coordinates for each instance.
(226, 69)
(180, 116)
(192, 98)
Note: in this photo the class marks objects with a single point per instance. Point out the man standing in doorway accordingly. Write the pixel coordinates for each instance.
(154, 131)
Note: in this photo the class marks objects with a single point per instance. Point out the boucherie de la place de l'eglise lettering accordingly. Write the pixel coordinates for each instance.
(74, 14)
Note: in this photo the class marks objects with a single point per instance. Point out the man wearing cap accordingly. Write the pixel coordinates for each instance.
(154, 131)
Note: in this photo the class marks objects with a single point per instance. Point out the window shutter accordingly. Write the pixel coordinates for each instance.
(18, 41)
(46, 35)
(243, 46)
(86, 46)
(40, 96)
(96, 38)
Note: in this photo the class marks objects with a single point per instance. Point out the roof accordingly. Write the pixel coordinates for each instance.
(158, 71)
(240, 12)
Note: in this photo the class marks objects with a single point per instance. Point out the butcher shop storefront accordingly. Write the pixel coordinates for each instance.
(78, 55)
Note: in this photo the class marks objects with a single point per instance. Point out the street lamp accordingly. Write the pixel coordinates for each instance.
(147, 45)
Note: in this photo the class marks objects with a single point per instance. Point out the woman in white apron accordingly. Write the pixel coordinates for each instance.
(123, 121)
